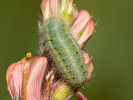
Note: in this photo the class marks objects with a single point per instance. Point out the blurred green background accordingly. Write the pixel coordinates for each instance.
(111, 46)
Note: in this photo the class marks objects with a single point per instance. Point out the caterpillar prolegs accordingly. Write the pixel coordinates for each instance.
(64, 50)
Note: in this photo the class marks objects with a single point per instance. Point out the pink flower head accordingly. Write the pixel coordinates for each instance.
(35, 78)
(24, 79)
(29, 80)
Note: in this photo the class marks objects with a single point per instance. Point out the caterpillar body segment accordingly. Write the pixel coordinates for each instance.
(65, 50)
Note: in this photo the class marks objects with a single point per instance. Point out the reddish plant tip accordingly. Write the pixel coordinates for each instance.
(80, 96)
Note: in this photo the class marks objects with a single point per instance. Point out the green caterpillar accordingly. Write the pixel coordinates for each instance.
(64, 50)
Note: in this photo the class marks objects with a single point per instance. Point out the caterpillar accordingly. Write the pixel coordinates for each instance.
(64, 50)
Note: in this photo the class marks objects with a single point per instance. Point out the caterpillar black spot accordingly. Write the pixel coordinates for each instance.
(64, 50)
